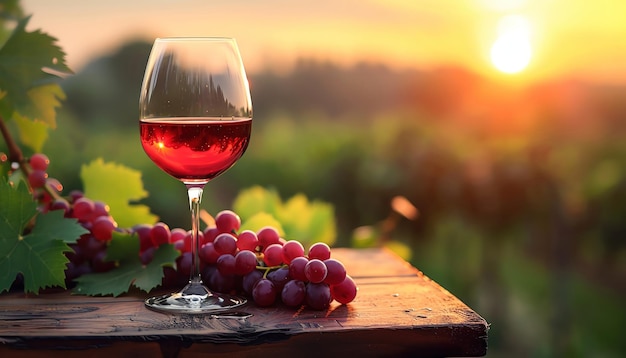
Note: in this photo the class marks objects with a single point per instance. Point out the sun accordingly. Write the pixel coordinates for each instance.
(511, 51)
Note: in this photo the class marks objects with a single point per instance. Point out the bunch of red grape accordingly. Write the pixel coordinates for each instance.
(37, 177)
(261, 264)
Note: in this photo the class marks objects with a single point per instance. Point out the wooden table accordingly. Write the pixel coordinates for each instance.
(398, 312)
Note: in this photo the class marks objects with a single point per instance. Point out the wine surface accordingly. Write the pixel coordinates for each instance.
(195, 149)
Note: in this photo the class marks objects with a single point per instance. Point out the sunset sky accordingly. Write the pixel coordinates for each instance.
(535, 39)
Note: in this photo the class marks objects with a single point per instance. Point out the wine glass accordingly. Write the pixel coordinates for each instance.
(195, 123)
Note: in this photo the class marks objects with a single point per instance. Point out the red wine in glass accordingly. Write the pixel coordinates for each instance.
(192, 149)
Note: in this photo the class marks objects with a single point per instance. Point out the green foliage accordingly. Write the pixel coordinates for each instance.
(261, 219)
(37, 253)
(10, 9)
(32, 243)
(29, 65)
(32, 134)
(297, 218)
(124, 250)
(117, 186)
(308, 221)
(256, 200)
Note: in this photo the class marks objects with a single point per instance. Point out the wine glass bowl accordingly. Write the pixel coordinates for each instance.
(195, 123)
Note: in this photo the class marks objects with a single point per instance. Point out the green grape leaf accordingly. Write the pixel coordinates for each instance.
(124, 249)
(298, 218)
(29, 60)
(11, 9)
(54, 226)
(308, 222)
(260, 220)
(39, 254)
(117, 186)
(256, 199)
(32, 133)
(46, 99)
(17, 209)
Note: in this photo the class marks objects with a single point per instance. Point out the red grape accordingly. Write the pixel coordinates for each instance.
(222, 283)
(293, 293)
(206, 272)
(318, 295)
(267, 236)
(37, 178)
(39, 161)
(75, 270)
(315, 271)
(83, 209)
(336, 272)
(319, 251)
(75, 195)
(177, 234)
(160, 234)
(247, 240)
(225, 244)
(208, 254)
(291, 250)
(245, 262)
(250, 280)
(143, 233)
(210, 233)
(90, 246)
(60, 204)
(273, 255)
(185, 244)
(280, 277)
(227, 221)
(226, 264)
(264, 293)
(184, 263)
(100, 209)
(99, 263)
(76, 255)
(147, 255)
(103, 227)
(296, 268)
(344, 292)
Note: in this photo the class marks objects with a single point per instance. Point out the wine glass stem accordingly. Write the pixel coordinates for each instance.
(195, 197)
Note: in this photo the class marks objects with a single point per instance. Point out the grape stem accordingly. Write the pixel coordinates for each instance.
(267, 269)
(17, 156)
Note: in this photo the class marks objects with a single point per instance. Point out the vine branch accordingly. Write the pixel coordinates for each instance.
(15, 153)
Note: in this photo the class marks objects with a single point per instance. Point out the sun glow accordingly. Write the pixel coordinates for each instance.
(511, 52)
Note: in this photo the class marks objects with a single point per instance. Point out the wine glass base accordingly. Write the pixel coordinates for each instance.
(195, 298)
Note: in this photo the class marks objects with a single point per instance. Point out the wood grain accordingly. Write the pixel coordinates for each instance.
(398, 312)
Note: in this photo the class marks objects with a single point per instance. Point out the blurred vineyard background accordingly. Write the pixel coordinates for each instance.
(520, 187)
(521, 191)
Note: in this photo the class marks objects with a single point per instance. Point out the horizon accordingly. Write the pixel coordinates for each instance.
(561, 39)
